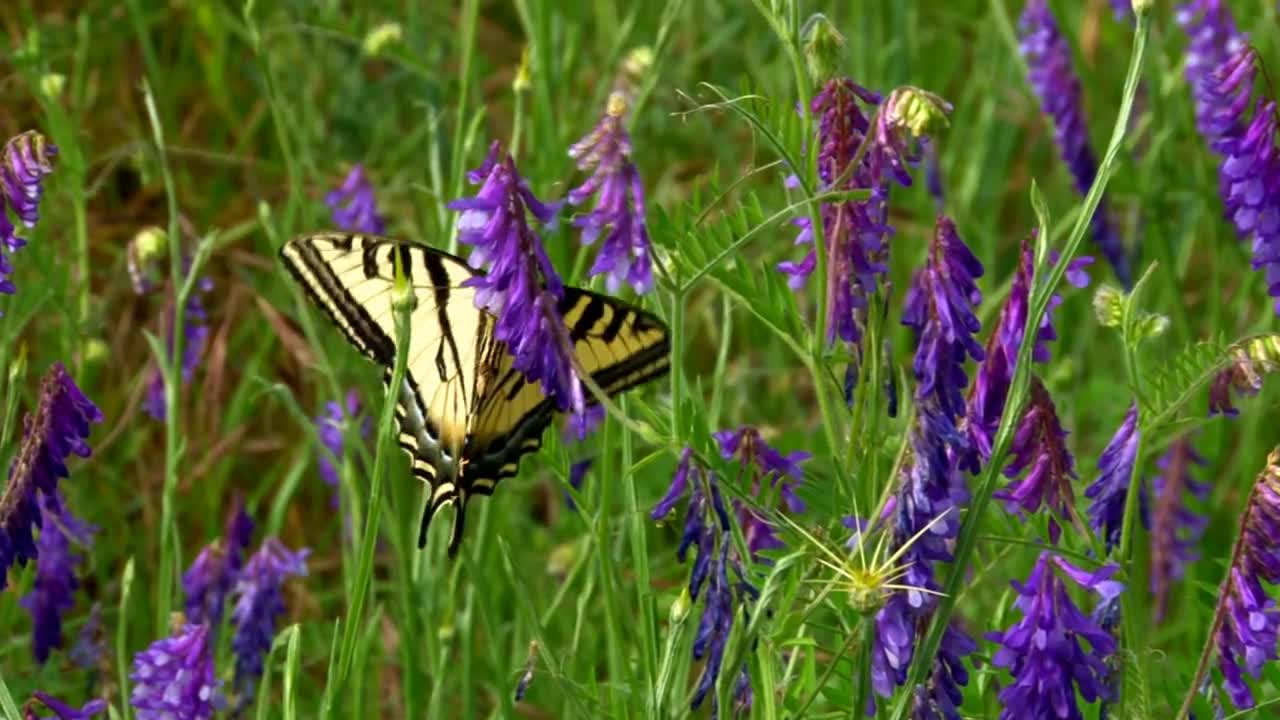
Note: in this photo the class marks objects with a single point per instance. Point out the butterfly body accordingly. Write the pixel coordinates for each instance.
(466, 416)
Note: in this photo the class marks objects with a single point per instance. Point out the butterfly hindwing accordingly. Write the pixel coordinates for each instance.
(465, 415)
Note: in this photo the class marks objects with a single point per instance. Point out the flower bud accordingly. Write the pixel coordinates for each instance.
(822, 47)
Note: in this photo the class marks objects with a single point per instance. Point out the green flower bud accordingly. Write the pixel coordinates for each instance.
(382, 36)
(52, 84)
(823, 45)
(1108, 305)
(917, 111)
(681, 607)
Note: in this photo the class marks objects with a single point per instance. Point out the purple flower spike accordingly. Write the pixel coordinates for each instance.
(330, 428)
(1040, 450)
(1054, 80)
(61, 710)
(1175, 527)
(1214, 38)
(195, 336)
(606, 153)
(939, 305)
(353, 205)
(53, 592)
(762, 462)
(24, 163)
(1247, 622)
(1115, 468)
(214, 572)
(259, 604)
(1043, 651)
(521, 288)
(173, 678)
(58, 429)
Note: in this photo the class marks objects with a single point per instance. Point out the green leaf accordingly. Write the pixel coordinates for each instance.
(1184, 375)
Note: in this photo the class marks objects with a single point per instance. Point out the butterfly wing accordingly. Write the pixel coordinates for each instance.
(351, 277)
(621, 346)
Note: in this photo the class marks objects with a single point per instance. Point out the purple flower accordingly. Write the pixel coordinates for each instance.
(195, 335)
(1213, 39)
(353, 205)
(53, 592)
(1043, 652)
(214, 572)
(606, 153)
(330, 426)
(1115, 468)
(90, 646)
(1246, 622)
(1175, 528)
(61, 710)
(521, 288)
(1122, 9)
(1249, 175)
(762, 462)
(706, 528)
(173, 678)
(1052, 76)
(933, 174)
(259, 604)
(855, 231)
(939, 306)
(1039, 449)
(26, 160)
(57, 430)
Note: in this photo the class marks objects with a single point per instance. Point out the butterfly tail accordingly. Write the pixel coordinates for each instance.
(445, 493)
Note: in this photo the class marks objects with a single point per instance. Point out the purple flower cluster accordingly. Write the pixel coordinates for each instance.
(1115, 468)
(53, 592)
(521, 288)
(1054, 80)
(606, 153)
(939, 306)
(1175, 527)
(1213, 39)
(353, 205)
(330, 427)
(1039, 449)
(214, 572)
(173, 678)
(259, 604)
(61, 710)
(707, 530)
(855, 231)
(26, 160)
(58, 429)
(1043, 652)
(762, 462)
(195, 335)
(1247, 622)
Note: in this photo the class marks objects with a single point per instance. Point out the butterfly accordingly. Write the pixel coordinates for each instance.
(466, 416)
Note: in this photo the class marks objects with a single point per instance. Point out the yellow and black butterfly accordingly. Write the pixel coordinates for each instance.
(465, 415)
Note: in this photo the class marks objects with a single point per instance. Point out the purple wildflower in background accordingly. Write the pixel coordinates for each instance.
(762, 463)
(1175, 527)
(1250, 171)
(90, 646)
(707, 530)
(606, 152)
(353, 206)
(1122, 10)
(1246, 624)
(214, 572)
(939, 306)
(173, 678)
(1043, 652)
(195, 335)
(1115, 468)
(61, 710)
(330, 426)
(521, 288)
(58, 429)
(259, 604)
(26, 160)
(1212, 40)
(933, 174)
(1054, 79)
(1249, 362)
(1040, 450)
(53, 592)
